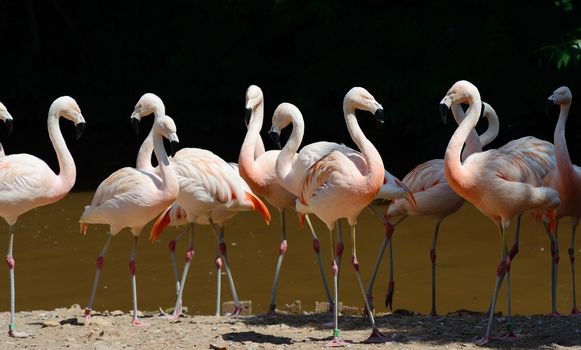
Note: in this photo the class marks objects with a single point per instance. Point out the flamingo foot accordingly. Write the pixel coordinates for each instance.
(508, 336)
(177, 313)
(137, 323)
(482, 341)
(554, 314)
(87, 314)
(237, 310)
(330, 324)
(336, 343)
(377, 338)
(370, 302)
(433, 313)
(575, 312)
(15, 334)
(389, 296)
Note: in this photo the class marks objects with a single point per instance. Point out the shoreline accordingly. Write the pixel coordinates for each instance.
(65, 328)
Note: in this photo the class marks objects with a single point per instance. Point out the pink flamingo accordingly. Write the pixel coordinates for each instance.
(27, 182)
(490, 180)
(257, 168)
(433, 196)
(211, 192)
(131, 197)
(8, 121)
(566, 179)
(334, 181)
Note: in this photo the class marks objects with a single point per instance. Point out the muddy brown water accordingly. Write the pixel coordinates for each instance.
(55, 264)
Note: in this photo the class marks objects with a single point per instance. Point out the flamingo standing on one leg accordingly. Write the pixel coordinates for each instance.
(335, 181)
(8, 121)
(257, 168)
(566, 179)
(433, 195)
(131, 197)
(489, 180)
(211, 192)
(27, 182)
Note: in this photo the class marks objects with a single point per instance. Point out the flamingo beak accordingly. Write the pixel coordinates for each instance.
(79, 129)
(135, 125)
(247, 115)
(379, 118)
(9, 126)
(275, 138)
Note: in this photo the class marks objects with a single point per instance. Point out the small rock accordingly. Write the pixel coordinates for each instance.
(117, 313)
(99, 321)
(139, 313)
(50, 324)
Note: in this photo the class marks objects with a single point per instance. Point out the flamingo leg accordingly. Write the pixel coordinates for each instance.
(337, 341)
(574, 222)
(281, 252)
(11, 263)
(433, 259)
(339, 248)
(132, 270)
(376, 336)
(100, 262)
(554, 268)
(219, 232)
(391, 286)
(316, 248)
(499, 272)
(172, 251)
(509, 335)
(189, 255)
(218, 263)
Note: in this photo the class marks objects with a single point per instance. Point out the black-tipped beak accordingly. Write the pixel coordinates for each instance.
(379, 118)
(444, 112)
(275, 138)
(481, 111)
(549, 106)
(9, 125)
(135, 125)
(80, 127)
(174, 146)
(247, 114)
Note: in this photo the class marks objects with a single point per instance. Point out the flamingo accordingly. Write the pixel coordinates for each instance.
(334, 181)
(131, 197)
(433, 196)
(565, 179)
(257, 168)
(27, 182)
(211, 192)
(8, 121)
(491, 181)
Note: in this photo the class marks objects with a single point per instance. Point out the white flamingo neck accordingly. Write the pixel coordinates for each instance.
(146, 149)
(284, 160)
(473, 143)
(67, 169)
(252, 144)
(493, 127)
(564, 164)
(375, 170)
(167, 173)
(453, 166)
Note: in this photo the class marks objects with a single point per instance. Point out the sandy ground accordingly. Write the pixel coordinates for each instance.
(65, 329)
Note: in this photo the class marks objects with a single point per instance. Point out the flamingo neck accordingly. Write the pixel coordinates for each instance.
(251, 146)
(284, 161)
(455, 173)
(167, 174)
(146, 150)
(564, 165)
(473, 144)
(67, 170)
(493, 127)
(375, 170)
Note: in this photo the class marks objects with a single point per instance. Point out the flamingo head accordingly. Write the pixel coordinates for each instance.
(148, 103)
(167, 128)
(254, 98)
(67, 107)
(561, 96)
(284, 115)
(6, 118)
(359, 98)
(461, 92)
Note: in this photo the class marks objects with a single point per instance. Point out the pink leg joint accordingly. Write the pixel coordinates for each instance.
(218, 262)
(339, 250)
(223, 248)
(282, 248)
(355, 263)
(10, 262)
(189, 254)
(572, 255)
(100, 262)
(433, 255)
(316, 246)
(132, 267)
(172, 246)
(389, 229)
(334, 268)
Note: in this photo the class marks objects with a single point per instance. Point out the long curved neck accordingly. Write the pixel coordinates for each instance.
(167, 173)
(473, 143)
(146, 149)
(375, 169)
(284, 161)
(251, 145)
(564, 164)
(452, 165)
(493, 126)
(67, 169)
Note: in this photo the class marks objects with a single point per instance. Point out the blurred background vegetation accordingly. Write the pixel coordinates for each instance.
(200, 56)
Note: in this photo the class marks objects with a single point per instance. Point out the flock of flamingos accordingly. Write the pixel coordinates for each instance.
(329, 180)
